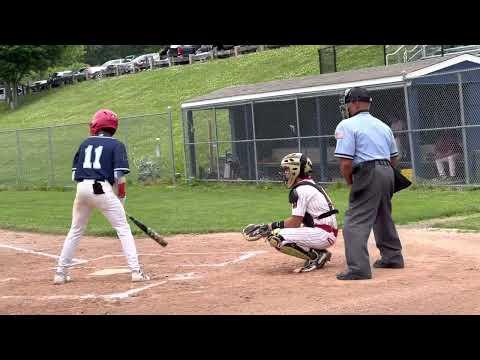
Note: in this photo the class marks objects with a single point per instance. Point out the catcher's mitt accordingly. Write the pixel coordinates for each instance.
(254, 232)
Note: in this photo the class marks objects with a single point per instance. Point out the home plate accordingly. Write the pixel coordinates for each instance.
(112, 271)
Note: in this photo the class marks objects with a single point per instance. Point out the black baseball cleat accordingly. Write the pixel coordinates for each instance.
(323, 256)
(319, 262)
(380, 263)
(348, 275)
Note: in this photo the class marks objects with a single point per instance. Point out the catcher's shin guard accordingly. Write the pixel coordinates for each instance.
(276, 240)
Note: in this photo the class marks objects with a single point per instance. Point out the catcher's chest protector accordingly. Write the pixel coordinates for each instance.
(308, 218)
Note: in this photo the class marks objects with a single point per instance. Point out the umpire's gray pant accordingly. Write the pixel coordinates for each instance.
(370, 206)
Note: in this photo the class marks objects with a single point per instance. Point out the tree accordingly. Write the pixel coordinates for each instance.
(72, 58)
(17, 61)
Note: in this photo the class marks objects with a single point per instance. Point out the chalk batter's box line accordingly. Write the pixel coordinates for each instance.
(128, 293)
(245, 254)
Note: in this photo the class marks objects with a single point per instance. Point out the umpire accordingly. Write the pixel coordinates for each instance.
(367, 149)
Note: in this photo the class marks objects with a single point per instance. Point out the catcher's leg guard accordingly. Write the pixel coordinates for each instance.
(276, 240)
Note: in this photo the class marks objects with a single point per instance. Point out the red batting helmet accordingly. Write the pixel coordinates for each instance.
(103, 119)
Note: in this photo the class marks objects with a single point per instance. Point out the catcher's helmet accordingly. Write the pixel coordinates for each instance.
(350, 95)
(295, 165)
(103, 119)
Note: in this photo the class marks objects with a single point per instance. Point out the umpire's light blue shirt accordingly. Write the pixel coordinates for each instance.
(363, 138)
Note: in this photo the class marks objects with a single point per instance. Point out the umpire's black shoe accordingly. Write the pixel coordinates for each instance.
(380, 263)
(348, 275)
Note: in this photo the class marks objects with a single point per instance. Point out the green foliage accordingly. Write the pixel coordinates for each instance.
(16, 61)
(72, 59)
(22, 62)
(148, 169)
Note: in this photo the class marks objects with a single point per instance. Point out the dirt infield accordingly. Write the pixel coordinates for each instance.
(223, 274)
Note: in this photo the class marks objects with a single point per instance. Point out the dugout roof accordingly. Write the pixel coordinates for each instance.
(381, 76)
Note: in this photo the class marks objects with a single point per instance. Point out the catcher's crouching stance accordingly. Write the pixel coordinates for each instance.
(313, 225)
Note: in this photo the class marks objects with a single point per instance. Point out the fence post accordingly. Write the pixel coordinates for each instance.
(125, 128)
(190, 58)
(216, 142)
(254, 142)
(298, 125)
(236, 50)
(334, 58)
(51, 178)
(19, 158)
(184, 146)
(170, 124)
(409, 128)
(261, 47)
(464, 132)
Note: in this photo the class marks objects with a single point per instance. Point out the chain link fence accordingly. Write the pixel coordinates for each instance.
(42, 157)
(435, 120)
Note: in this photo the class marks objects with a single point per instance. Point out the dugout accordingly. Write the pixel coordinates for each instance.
(241, 132)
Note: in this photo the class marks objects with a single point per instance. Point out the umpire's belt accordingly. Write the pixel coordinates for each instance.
(370, 164)
(327, 228)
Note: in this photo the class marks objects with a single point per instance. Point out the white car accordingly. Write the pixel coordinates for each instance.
(142, 62)
(95, 71)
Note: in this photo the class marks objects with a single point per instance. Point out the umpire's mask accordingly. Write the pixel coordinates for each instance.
(350, 95)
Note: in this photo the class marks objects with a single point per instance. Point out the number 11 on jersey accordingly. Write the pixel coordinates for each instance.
(87, 163)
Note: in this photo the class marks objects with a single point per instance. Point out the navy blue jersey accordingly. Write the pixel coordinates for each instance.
(98, 157)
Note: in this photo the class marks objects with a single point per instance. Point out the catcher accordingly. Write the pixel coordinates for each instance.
(313, 225)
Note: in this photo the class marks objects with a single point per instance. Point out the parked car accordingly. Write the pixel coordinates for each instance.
(95, 72)
(117, 66)
(224, 50)
(130, 57)
(80, 75)
(142, 62)
(40, 85)
(3, 95)
(182, 50)
(60, 78)
(204, 52)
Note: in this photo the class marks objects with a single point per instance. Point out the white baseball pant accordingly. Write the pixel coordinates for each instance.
(308, 238)
(451, 164)
(112, 209)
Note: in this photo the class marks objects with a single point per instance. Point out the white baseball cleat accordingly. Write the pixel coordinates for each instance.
(138, 276)
(61, 278)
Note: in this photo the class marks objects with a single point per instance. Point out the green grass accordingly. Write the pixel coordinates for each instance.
(152, 91)
(204, 208)
(358, 57)
(471, 223)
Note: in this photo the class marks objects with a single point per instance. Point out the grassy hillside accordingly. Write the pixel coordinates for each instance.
(143, 93)
(153, 91)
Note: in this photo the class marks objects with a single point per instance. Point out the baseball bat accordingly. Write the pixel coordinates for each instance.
(149, 231)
